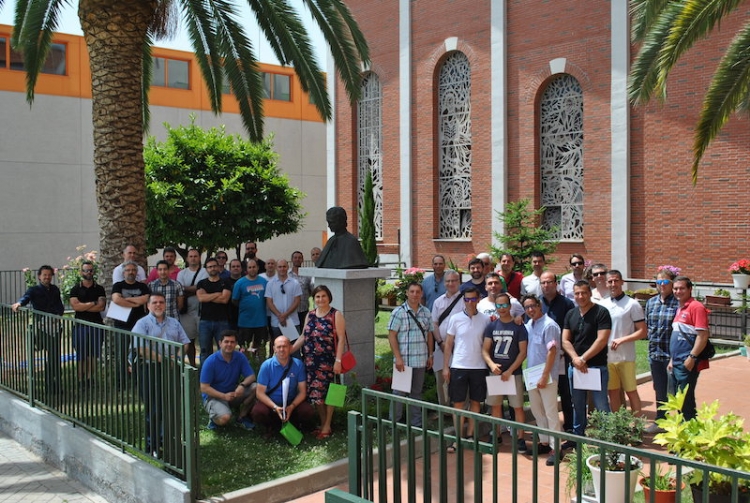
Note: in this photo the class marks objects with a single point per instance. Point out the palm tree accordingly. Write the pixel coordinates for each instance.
(667, 29)
(119, 35)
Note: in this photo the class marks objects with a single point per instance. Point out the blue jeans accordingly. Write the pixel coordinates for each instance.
(208, 332)
(661, 382)
(601, 400)
(397, 409)
(682, 377)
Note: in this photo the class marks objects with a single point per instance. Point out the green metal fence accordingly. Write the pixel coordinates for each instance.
(134, 391)
(418, 467)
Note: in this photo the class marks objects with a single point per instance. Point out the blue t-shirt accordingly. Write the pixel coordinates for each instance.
(270, 374)
(505, 339)
(251, 295)
(223, 375)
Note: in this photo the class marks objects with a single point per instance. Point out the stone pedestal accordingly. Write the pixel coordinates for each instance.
(353, 293)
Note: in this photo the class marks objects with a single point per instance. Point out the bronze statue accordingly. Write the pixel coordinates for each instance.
(342, 251)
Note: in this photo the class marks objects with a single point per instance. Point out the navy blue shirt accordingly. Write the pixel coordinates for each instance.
(44, 299)
(558, 308)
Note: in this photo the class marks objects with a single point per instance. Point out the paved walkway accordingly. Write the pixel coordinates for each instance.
(26, 477)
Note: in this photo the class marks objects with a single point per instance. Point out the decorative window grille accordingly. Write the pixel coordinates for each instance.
(370, 138)
(561, 140)
(454, 136)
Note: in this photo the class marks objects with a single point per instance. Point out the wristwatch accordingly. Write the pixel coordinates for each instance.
(691, 355)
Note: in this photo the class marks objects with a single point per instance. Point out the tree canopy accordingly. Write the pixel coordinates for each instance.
(210, 190)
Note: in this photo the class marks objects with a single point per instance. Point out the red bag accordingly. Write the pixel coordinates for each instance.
(348, 361)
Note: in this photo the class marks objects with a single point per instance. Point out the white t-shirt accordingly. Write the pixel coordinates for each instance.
(468, 335)
(624, 312)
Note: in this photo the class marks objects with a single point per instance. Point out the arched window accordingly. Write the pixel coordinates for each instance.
(561, 141)
(454, 137)
(370, 139)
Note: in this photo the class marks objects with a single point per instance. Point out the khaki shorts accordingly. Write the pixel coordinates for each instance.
(515, 401)
(622, 375)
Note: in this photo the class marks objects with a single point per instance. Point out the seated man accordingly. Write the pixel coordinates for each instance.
(227, 380)
(269, 409)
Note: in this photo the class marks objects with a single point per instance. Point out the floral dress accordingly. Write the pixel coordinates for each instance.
(319, 354)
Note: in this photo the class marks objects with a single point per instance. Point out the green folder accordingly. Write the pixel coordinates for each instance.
(336, 395)
(291, 433)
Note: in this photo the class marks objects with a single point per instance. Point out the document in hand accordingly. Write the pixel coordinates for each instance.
(402, 380)
(532, 376)
(496, 386)
(591, 380)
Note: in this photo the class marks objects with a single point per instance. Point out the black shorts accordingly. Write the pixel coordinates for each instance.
(256, 335)
(471, 380)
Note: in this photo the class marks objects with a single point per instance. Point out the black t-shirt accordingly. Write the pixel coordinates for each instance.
(127, 291)
(88, 294)
(584, 331)
(214, 311)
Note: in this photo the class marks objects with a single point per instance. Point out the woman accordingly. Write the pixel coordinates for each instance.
(322, 354)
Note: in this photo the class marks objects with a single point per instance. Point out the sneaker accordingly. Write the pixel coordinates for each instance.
(211, 425)
(543, 449)
(245, 423)
(552, 457)
(653, 429)
(568, 444)
(522, 445)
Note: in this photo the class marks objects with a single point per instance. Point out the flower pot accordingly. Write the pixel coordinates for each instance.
(615, 491)
(660, 496)
(741, 280)
(742, 497)
(718, 301)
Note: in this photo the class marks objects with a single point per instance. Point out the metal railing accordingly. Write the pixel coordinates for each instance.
(397, 462)
(134, 391)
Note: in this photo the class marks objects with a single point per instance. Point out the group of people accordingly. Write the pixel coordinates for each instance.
(583, 324)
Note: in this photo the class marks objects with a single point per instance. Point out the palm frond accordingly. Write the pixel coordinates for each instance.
(643, 15)
(164, 24)
(148, 76)
(202, 34)
(727, 93)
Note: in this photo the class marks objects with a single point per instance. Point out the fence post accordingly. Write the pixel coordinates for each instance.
(354, 442)
(190, 430)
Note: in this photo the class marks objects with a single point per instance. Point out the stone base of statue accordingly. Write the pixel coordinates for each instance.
(353, 293)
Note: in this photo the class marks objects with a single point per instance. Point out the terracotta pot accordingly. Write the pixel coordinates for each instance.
(659, 496)
(697, 491)
(718, 301)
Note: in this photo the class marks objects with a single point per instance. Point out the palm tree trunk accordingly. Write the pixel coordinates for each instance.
(115, 31)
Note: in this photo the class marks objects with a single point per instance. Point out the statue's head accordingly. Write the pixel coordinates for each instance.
(336, 218)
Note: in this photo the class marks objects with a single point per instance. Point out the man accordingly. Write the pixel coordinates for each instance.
(88, 300)
(169, 288)
(314, 254)
(170, 256)
(190, 317)
(476, 271)
(228, 380)
(556, 306)
(235, 269)
(628, 326)
(283, 296)
(689, 337)
(445, 306)
(250, 253)
(235, 273)
(487, 264)
(512, 278)
(567, 282)
(305, 283)
(433, 286)
(45, 297)
(132, 295)
(600, 290)
(270, 410)
(543, 350)
(494, 285)
(249, 295)
(129, 254)
(270, 269)
(411, 340)
(530, 284)
(342, 250)
(153, 364)
(463, 351)
(221, 258)
(585, 335)
(660, 312)
(504, 350)
(213, 293)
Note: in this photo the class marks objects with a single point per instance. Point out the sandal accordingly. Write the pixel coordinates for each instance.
(322, 435)
(451, 449)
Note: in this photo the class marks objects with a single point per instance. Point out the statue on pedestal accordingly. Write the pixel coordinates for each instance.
(343, 250)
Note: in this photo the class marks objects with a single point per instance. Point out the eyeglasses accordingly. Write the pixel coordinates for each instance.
(530, 306)
(282, 289)
(663, 281)
(504, 305)
(471, 299)
(221, 257)
(600, 273)
(576, 264)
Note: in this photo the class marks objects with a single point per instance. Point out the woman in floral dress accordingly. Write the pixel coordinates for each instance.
(321, 355)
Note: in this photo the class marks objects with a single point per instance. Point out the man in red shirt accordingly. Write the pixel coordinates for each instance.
(512, 278)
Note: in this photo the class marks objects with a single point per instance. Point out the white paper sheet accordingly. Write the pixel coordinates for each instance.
(496, 386)
(532, 376)
(591, 380)
(438, 359)
(284, 396)
(290, 330)
(117, 312)
(402, 380)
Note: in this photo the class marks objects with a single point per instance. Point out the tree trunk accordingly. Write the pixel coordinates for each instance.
(115, 32)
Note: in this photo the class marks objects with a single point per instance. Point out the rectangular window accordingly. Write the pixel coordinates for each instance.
(267, 85)
(172, 73)
(281, 87)
(158, 78)
(55, 62)
(3, 52)
(13, 60)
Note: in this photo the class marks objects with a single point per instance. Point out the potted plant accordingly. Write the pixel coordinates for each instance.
(746, 341)
(720, 297)
(587, 482)
(740, 271)
(664, 485)
(709, 438)
(386, 292)
(623, 428)
(645, 293)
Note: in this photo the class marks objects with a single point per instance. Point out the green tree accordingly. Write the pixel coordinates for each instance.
(119, 35)
(523, 235)
(667, 30)
(367, 223)
(211, 190)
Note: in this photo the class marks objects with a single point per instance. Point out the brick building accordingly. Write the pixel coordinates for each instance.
(468, 105)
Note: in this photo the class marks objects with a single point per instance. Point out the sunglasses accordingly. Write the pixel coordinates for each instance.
(576, 264)
(663, 281)
(504, 305)
(600, 273)
(282, 289)
(471, 299)
(530, 306)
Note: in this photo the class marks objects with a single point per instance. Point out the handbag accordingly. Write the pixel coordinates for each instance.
(348, 360)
